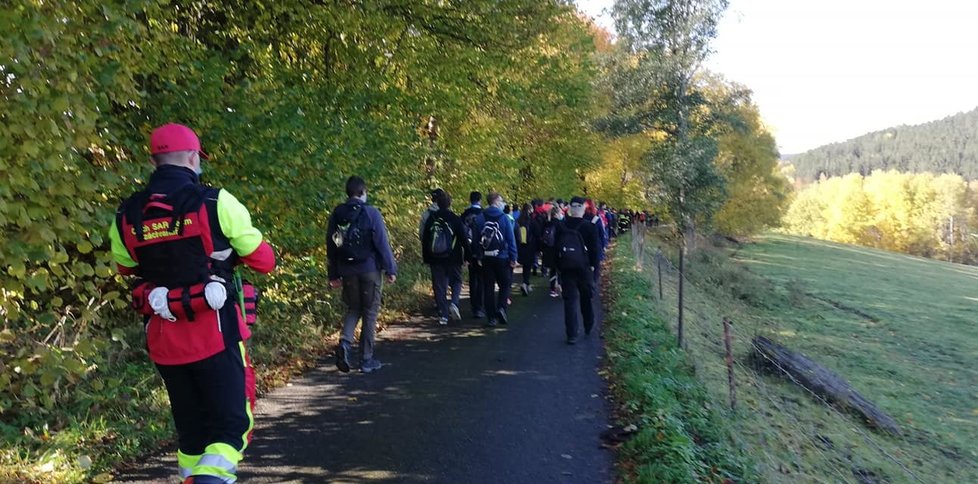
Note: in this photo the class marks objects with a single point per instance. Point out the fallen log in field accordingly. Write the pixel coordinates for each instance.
(822, 382)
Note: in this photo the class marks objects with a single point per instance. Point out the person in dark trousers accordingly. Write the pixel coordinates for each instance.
(592, 214)
(476, 291)
(195, 333)
(357, 251)
(577, 256)
(548, 246)
(445, 248)
(527, 245)
(496, 251)
(539, 216)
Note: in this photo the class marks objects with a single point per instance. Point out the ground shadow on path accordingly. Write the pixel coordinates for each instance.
(454, 404)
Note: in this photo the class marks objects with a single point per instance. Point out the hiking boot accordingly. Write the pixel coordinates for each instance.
(204, 480)
(454, 313)
(371, 365)
(503, 318)
(443, 321)
(342, 357)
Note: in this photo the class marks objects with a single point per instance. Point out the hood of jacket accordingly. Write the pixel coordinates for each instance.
(492, 211)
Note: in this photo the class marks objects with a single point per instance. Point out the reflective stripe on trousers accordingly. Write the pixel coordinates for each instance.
(219, 461)
(187, 463)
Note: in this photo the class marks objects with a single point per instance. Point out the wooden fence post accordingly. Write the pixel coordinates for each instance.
(730, 370)
(682, 274)
(658, 263)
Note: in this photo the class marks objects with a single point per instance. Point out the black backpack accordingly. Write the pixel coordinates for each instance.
(470, 224)
(352, 239)
(571, 252)
(442, 238)
(491, 237)
(549, 236)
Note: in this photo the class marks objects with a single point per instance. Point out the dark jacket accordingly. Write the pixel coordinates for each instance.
(588, 231)
(549, 253)
(528, 251)
(460, 251)
(381, 258)
(475, 210)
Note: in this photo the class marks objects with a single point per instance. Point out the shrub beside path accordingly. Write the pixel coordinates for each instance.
(453, 404)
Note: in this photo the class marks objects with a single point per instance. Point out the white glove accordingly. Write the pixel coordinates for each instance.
(159, 303)
(216, 294)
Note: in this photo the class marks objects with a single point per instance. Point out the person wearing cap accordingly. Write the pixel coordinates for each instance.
(183, 240)
(358, 250)
(496, 250)
(577, 280)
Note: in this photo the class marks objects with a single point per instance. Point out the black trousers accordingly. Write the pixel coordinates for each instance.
(476, 291)
(496, 271)
(208, 401)
(578, 299)
(443, 277)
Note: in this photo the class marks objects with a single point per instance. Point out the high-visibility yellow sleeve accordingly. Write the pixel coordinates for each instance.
(236, 224)
(119, 252)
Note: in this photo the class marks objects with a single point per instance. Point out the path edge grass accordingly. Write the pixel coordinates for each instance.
(681, 435)
(128, 416)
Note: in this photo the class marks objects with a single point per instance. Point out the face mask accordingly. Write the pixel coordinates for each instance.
(363, 198)
(199, 170)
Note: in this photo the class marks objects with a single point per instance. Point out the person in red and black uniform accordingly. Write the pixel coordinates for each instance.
(183, 239)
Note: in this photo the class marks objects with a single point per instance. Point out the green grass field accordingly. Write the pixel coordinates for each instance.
(903, 331)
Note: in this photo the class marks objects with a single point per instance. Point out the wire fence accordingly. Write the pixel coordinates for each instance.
(792, 436)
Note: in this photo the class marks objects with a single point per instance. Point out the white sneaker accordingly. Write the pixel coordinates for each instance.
(453, 312)
(443, 321)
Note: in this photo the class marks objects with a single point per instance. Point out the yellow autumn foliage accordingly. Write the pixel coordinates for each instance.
(915, 213)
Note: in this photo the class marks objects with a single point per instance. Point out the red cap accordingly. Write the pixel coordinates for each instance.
(174, 137)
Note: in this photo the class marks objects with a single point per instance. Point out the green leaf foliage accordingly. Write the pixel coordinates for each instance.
(943, 146)
(290, 98)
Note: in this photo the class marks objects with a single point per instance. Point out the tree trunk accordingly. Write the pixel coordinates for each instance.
(821, 381)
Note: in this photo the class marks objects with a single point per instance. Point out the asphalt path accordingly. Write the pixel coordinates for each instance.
(455, 404)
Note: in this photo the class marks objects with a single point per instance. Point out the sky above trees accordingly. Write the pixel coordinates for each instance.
(835, 69)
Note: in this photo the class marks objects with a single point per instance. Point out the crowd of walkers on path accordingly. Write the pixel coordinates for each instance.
(563, 242)
(182, 242)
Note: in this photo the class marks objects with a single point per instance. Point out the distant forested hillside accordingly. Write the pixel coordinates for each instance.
(949, 145)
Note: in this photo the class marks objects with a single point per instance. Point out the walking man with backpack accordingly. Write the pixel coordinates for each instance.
(444, 248)
(476, 292)
(577, 256)
(357, 251)
(496, 252)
